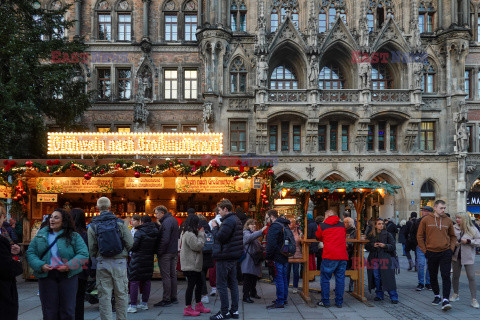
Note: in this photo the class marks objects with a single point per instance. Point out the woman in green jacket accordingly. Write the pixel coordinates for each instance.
(57, 255)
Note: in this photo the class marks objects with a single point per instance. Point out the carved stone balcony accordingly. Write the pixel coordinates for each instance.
(287, 96)
(344, 95)
(390, 95)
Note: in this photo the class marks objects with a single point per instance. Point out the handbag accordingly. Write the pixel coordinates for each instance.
(50, 247)
(257, 257)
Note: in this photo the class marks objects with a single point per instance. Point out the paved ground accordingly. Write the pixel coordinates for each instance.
(413, 304)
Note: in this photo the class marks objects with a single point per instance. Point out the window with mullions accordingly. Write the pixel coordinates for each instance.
(104, 26)
(322, 137)
(171, 27)
(427, 136)
(238, 76)
(124, 83)
(428, 79)
(190, 84)
(468, 83)
(297, 137)
(285, 133)
(238, 15)
(377, 12)
(190, 27)
(371, 138)
(345, 137)
(279, 13)
(238, 136)
(171, 84)
(333, 136)
(125, 27)
(381, 136)
(331, 77)
(328, 14)
(104, 79)
(393, 138)
(426, 13)
(283, 78)
(272, 137)
(381, 77)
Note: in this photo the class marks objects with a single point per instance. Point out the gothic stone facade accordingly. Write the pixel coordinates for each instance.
(299, 82)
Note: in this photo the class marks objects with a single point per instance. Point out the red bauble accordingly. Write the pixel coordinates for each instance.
(239, 162)
(87, 176)
(270, 172)
(73, 167)
(147, 170)
(214, 163)
(12, 163)
(266, 201)
(15, 198)
(236, 178)
(24, 193)
(90, 173)
(56, 162)
(137, 174)
(192, 163)
(170, 164)
(102, 171)
(49, 162)
(5, 162)
(48, 170)
(29, 164)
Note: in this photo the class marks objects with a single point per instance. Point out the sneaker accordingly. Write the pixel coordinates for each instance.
(295, 290)
(205, 299)
(275, 306)
(200, 308)
(394, 301)
(174, 301)
(163, 303)
(377, 299)
(428, 287)
(436, 301)
(234, 314)
(220, 316)
(454, 297)
(321, 304)
(143, 306)
(213, 292)
(419, 287)
(132, 309)
(475, 303)
(275, 301)
(188, 311)
(446, 305)
(338, 306)
(256, 297)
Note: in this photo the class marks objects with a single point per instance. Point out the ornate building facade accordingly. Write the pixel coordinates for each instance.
(383, 90)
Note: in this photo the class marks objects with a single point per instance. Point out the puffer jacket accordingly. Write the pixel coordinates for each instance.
(191, 257)
(333, 234)
(275, 241)
(145, 244)
(74, 251)
(169, 235)
(228, 238)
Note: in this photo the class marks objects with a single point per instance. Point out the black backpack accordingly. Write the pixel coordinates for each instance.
(208, 246)
(108, 237)
(289, 246)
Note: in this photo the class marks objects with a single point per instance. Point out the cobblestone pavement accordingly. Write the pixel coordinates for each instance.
(413, 304)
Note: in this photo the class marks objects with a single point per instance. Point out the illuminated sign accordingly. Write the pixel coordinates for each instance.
(144, 183)
(134, 143)
(47, 197)
(212, 185)
(285, 202)
(74, 185)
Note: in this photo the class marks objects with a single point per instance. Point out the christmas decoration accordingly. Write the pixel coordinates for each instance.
(137, 174)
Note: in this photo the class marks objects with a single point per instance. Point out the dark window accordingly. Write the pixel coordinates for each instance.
(322, 137)
(238, 76)
(104, 26)
(238, 136)
(104, 84)
(125, 27)
(425, 18)
(283, 78)
(345, 137)
(190, 27)
(380, 17)
(297, 138)
(333, 136)
(470, 141)
(427, 187)
(468, 83)
(371, 138)
(273, 137)
(331, 77)
(393, 138)
(238, 15)
(285, 134)
(381, 136)
(381, 77)
(189, 128)
(171, 27)
(124, 84)
(427, 135)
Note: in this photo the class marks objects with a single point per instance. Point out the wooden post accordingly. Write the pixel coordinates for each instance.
(305, 279)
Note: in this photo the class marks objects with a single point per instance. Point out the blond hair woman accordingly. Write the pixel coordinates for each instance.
(468, 238)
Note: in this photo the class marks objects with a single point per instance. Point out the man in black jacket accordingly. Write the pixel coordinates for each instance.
(227, 249)
(274, 246)
(167, 255)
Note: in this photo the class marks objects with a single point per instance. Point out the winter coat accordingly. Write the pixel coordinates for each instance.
(411, 234)
(9, 269)
(351, 234)
(251, 245)
(311, 229)
(125, 235)
(207, 256)
(84, 274)
(333, 234)
(383, 259)
(401, 234)
(145, 244)
(169, 234)
(228, 238)
(275, 241)
(191, 256)
(436, 234)
(11, 233)
(298, 243)
(468, 250)
(75, 252)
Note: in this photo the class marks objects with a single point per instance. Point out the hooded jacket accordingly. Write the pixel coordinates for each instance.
(436, 234)
(333, 234)
(228, 238)
(468, 250)
(275, 241)
(145, 244)
(169, 234)
(125, 235)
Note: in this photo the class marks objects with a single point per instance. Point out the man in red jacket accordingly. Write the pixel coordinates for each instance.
(334, 259)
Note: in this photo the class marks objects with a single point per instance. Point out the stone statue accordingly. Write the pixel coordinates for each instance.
(146, 82)
(418, 75)
(363, 29)
(262, 72)
(207, 116)
(313, 71)
(462, 138)
(365, 75)
(140, 116)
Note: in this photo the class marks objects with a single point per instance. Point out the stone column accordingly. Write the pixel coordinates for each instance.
(78, 16)
(146, 11)
(199, 14)
(461, 184)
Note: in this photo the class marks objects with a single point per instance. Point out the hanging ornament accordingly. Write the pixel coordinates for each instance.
(102, 171)
(87, 176)
(29, 164)
(236, 178)
(72, 167)
(137, 174)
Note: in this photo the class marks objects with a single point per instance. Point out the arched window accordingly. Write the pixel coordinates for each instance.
(427, 193)
(377, 12)
(381, 77)
(426, 13)
(190, 21)
(170, 15)
(331, 77)
(328, 14)
(238, 76)
(279, 13)
(104, 21)
(429, 78)
(283, 78)
(238, 15)
(124, 21)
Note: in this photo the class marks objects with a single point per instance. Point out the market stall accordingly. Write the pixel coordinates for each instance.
(356, 192)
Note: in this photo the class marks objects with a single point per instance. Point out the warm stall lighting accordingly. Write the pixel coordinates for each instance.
(341, 190)
(284, 193)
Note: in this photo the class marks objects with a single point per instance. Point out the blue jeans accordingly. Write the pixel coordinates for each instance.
(378, 286)
(404, 252)
(329, 268)
(423, 278)
(296, 273)
(281, 283)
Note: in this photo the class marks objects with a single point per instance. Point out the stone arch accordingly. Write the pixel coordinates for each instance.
(103, 5)
(340, 114)
(335, 175)
(399, 71)
(288, 175)
(123, 5)
(286, 113)
(192, 5)
(170, 5)
(290, 54)
(339, 53)
(390, 203)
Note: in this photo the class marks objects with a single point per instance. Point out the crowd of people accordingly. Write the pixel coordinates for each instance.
(66, 252)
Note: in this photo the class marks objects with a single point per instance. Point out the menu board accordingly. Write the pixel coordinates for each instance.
(144, 183)
(213, 185)
(74, 185)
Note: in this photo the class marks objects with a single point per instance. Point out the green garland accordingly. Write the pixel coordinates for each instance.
(313, 186)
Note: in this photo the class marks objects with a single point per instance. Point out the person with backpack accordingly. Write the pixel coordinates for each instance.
(421, 261)
(333, 234)
(227, 249)
(252, 263)
(167, 255)
(57, 255)
(410, 243)
(109, 241)
(140, 268)
(280, 240)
